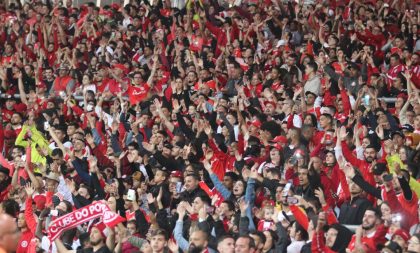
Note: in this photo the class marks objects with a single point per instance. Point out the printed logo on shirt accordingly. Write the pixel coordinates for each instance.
(24, 244)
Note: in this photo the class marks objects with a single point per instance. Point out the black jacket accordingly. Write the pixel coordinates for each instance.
(351, 212)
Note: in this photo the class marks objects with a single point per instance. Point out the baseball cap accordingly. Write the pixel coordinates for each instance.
(280, 138)
(402, 233)
(397, 132)
(408, 128)
(379, 169)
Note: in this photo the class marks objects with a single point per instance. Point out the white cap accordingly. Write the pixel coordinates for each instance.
(281, 43)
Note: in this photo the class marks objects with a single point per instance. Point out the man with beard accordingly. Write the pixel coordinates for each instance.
(397, 188)
(364, 166)
(16, 122)
(352, 210)
(371, 233)
(198, 239)
(49, 78)
(11, 107)
(9, 234)
(99, 240)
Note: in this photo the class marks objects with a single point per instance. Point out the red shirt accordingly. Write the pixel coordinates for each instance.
(370, 242)
(24, 241)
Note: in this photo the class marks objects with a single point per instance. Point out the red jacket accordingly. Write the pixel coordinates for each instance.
(363, 166)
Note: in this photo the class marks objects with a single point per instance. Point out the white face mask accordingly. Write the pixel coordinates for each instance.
(89, 107)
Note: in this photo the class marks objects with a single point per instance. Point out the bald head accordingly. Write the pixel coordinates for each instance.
(9, 233)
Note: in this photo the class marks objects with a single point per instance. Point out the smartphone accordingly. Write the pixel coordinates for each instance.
(388, 177)
(266, 225)
(328, 138)
(178, 187)
(22, 181)
(366, 99)
(396, 217)
(286, 189)
(292, 200)
(131, 195)
(54, 213)
(46, 125)
(210, 209)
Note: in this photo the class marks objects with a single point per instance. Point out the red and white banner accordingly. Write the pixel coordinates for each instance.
(82, 215)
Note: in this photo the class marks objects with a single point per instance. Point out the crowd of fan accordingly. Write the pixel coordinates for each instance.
(211, 126)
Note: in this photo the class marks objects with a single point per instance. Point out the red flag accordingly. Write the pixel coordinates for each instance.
(196, 43)
(137, 94)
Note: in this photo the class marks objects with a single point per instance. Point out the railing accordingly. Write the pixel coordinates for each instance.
(80, 98)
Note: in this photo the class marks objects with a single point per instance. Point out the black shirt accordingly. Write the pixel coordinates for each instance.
(103, 249)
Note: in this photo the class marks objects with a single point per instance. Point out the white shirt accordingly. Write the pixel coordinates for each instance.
(295, 246)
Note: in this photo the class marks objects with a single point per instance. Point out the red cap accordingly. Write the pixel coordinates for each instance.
(255, 123)
(278, 147)
(115, 6)
(176, 173)
(402, 233)
(281, 139)
(403, 96)
(121, 67)
(270, 102)
(40, 201)
(267, 202)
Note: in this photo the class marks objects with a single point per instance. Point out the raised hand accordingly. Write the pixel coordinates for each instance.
(254, 171)
(342, 134)
(322, 220)
(29, 189)
(150, 198)
(173, 246)
(209, 154)
(90, 140)
(71, 185)
(349, 170)
(319, 193)
(207, 129)
(181, 211)
(243, 205)
(380, 131)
